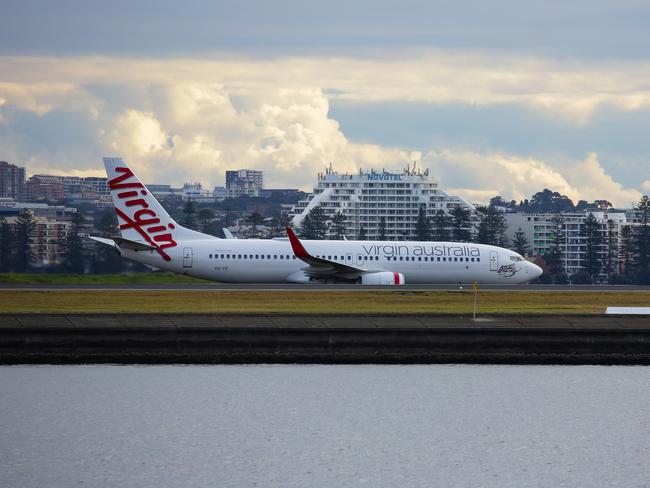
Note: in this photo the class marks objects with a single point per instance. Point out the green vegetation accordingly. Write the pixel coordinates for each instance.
(314, 302)
(98, 279)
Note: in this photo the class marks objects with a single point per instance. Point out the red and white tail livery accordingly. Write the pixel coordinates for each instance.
(149, 235)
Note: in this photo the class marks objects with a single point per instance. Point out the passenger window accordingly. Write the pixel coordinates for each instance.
(210, 256)
(268, 256)
(438, 259)
(238, 256)
(472, 259)
(275, 256)
(222, 256)
(400, 258)
(419, 259)
(478, 260)
(444, 259)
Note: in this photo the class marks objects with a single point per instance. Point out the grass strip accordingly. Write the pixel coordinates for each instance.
(98, 279)
(314, 302)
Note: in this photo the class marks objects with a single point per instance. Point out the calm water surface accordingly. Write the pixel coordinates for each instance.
(324, 426)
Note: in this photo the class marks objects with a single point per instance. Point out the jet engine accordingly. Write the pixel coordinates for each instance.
(383, 278)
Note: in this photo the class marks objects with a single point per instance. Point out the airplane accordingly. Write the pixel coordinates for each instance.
(150, 236)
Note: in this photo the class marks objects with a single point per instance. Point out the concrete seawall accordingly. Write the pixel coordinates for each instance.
(213, 339)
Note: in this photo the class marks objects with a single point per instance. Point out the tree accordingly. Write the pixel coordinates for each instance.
(338, 225)
(549, 201)
(24, 238)
(188, 215)
(441, 226)
(6, 245)
(553, 257)
(591, 261)
(460, 224)
(205, 216)
(642, 234)
(520, 242)
(73, 248)
(492, 226)
(278, 225)
(108, 259)
(228, 216)
(314, 225)
(422, 225)
(382, 229)
(362, 234)
(627, 252)
(254, 219)
(612, 247)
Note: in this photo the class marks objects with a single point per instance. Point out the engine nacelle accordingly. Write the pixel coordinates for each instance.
(383, 278)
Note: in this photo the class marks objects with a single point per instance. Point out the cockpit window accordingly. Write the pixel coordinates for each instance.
(516, 258)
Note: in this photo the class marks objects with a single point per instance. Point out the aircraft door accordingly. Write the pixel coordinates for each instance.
(187, 257)
(494, 260)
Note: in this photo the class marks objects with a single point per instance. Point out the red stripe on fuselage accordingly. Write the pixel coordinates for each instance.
(396, 278)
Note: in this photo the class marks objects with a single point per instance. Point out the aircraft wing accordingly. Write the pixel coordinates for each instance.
(322, 268)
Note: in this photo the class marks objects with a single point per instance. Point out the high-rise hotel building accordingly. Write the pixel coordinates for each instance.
(366, 197)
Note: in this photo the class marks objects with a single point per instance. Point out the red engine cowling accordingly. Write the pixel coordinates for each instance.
(383, 278)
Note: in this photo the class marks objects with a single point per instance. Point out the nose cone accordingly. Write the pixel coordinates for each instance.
(535, 270)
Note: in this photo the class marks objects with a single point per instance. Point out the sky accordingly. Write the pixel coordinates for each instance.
(495, 98)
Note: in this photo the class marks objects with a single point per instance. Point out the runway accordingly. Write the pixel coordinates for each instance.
(322, 287)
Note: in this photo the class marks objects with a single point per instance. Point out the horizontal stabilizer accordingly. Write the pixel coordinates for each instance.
(123, 243)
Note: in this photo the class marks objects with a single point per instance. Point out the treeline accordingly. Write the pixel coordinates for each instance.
(208, 221)
(547, 201)
(20, 244)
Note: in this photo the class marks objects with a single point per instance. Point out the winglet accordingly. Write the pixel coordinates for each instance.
(296, 245)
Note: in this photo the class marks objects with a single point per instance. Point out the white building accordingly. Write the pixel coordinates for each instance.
(366, 197)
(246, 182)
(219, 193)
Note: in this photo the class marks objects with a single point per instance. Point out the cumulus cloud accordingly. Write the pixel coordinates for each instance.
(569, 90)
(196, 133)
(180, 120)
(646, 185)
(515, 177)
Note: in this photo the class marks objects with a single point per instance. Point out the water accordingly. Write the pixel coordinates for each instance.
(324, 426)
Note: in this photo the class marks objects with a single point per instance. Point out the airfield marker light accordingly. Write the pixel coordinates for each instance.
(475, 288)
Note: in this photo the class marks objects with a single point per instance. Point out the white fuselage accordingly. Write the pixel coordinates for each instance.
(273, 260)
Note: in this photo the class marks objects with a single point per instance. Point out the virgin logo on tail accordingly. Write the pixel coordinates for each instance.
(144, 220)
